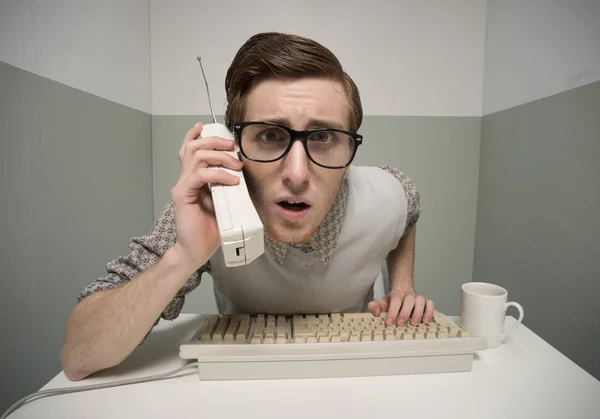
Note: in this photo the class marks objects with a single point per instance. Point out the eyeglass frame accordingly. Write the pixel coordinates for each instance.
(295, 135)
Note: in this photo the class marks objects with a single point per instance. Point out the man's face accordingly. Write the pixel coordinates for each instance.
(300, 104)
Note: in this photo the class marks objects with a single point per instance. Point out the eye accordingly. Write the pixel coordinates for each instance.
(271, 135)
(322, 136)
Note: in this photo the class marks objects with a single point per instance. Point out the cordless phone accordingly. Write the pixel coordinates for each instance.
(240, 228)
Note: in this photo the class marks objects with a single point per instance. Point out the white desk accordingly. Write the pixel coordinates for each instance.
(525, 378)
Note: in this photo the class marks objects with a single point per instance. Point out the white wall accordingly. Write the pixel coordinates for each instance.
(407, 57)
(538, 48)
(101, 47)
(418, 59)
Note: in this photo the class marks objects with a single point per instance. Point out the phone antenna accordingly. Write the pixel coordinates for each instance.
(207, 90)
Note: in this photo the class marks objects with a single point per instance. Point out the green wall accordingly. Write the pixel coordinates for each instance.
(76, 184)
(538, 220)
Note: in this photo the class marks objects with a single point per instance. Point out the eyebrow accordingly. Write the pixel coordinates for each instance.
(325, 123)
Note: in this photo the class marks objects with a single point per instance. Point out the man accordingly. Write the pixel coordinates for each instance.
(329, 226)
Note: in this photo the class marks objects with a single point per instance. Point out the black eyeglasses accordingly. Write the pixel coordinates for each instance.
(268, 142)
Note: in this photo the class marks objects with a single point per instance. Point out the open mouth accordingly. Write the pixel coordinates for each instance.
(293, 205)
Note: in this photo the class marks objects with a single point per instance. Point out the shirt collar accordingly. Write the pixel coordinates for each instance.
(325, 238)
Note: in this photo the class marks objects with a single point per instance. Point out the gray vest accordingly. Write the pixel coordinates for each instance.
(375, 221)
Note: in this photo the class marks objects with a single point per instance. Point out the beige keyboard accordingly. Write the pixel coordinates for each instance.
(326, 345)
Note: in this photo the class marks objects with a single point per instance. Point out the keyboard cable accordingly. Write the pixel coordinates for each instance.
(66, 390)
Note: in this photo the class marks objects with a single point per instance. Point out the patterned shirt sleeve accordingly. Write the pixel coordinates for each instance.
(145, 251)
(412, 197)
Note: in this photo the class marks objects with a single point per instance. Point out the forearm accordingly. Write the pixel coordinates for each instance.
(107, 326)
(400, 263)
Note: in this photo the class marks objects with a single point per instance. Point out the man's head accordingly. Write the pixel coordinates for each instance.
(299, 84)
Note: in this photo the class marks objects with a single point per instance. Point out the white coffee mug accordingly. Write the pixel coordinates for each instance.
(483, 311)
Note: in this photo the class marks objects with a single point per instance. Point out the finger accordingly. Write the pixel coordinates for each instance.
(374, 308)
(209, 143)
(429, 308)
(205, 158)
(204, 176)
(191, 135)
(417, 315)
(407, 306)
(377, 306)
(188, 188)
(395, 304)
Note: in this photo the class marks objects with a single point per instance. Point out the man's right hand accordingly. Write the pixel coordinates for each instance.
(196, 225)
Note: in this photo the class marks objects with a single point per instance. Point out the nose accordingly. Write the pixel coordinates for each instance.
(295, 166)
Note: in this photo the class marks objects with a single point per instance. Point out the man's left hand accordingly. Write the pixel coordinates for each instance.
(402, 306)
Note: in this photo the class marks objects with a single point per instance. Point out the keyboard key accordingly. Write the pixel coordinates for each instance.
(320, 328)
(299, 339)
(389, 334)
(209, 328)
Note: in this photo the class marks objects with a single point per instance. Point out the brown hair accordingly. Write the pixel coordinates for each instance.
(273, 54)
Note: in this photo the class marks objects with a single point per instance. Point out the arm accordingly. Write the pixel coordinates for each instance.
(105, 327)
(402, 303)
(164, 265)
(400, 263)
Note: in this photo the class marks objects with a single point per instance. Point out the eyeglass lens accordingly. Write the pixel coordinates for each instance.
(265, 142)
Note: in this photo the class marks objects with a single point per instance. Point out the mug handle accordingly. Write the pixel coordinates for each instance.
(520, 319)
